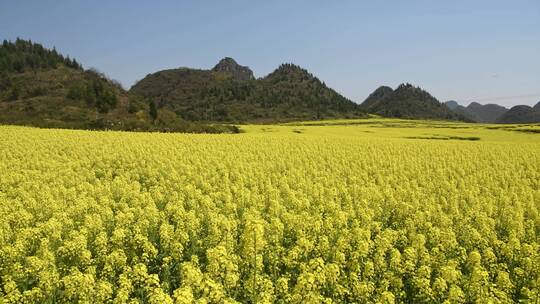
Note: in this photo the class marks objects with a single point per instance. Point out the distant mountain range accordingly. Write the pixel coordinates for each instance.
(521, 114)
(493, 113)
(479, 113)
(408, 101)
(41, 87)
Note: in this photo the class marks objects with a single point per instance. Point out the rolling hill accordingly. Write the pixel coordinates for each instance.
(459, 109)
(373, 98)
(407, 101)
(229, 92)
(521, 114)
(488, 113)
(493, 113)
(40, 87)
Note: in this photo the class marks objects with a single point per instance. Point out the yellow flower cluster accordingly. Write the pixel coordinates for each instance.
(113, 217)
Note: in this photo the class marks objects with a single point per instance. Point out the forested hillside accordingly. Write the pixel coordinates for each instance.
(41, 87)
(225, 94)
(521, 114)
(407, 101)
(488, 113)
(24, 55)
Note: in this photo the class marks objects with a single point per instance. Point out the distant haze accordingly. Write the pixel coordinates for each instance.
(485, 50)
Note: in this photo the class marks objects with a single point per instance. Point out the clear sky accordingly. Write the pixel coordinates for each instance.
(484, 50)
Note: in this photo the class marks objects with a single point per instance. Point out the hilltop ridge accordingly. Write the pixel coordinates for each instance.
(493, 113)
(477, 112)
(407, 101)
(238, 72)
(40, 87)
(228, 92)
(521, 114)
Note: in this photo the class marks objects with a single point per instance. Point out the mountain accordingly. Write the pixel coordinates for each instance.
(40, 87)
(476, 112)
(407, 101)
(492, 113)
(521, 114)
(228, 92)
(377, 95)
(452, 104)
(460, 110)
(238, 72)
(488, 113)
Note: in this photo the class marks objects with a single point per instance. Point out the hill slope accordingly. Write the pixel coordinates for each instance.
(492, 113)
(452, 104)
(460, 110)
(229, 93)
(380, 93)
(407, 101)
(488, 113)
(521, 114)
(40, 87)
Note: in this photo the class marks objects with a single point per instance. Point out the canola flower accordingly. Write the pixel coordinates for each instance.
(302, 216)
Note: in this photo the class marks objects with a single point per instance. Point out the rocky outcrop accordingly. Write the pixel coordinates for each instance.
(238, 72)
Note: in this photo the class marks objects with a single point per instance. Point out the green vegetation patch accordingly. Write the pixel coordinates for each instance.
(442, 137)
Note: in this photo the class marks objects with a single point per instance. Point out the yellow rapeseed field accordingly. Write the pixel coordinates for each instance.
(367, 211)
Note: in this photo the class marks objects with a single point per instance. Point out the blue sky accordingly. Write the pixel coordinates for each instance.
(481, 50)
